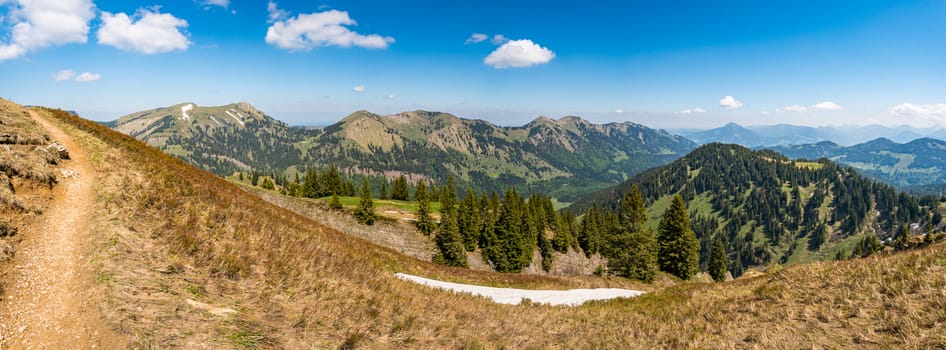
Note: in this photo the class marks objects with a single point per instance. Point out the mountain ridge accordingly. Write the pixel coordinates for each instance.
(919, 162)
(537, 156)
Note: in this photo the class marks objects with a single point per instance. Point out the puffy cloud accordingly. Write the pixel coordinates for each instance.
(43, 23)
(476, 38)
(87, 77)
(148, 32)
(499, 39)
(826, 106)
(64, 75)
(691, 111)
(619, 111)
(275, 13)
(730, 102)
(392, 96)
(358, 88)
(930, 113)
(820, 106)
(519, 54)
(329, 28)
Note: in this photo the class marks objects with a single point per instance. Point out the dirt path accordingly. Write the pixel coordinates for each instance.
(46, 303)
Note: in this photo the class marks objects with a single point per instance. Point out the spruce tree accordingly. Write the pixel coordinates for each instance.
(469, 220)
(633, 213)
(424, 222)
(384, 189)
(719, 261)
(678, 248)
(400, 191)
(511, 248)
(902, 238)
(632, 251)
(335, 203)
(448, 239)
(364, 213)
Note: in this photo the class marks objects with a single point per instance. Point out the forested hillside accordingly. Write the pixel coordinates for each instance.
(536, 158)
(918, 163)
(767, 209)
(222, 140)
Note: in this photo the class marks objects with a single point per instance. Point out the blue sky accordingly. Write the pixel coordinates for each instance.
(668, 64)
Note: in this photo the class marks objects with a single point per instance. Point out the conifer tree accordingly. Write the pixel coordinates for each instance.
(633, 213)
(677, 248)
(632, 251)
(902, 237)
(719, 261)
(400, 191)
(364, 213)
(470, 220)
(448, 239)
(424, 222)
(335, 203)
(384, 189)
(511, 249)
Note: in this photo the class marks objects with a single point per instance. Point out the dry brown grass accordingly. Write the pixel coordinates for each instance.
(169, 232)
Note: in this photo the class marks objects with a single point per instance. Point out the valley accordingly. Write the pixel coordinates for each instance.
(227, 251)
(247, 175)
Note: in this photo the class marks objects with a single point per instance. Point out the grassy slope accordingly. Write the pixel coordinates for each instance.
(171, 233)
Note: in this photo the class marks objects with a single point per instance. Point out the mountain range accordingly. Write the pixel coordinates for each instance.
(538, 157)
(786, 134)
(919, 162)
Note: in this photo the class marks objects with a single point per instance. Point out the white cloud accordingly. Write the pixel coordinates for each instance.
(730, 102)
(619, 111)
(221, 3)
(476, 38)
(148, 32)
(929, 113)
(64, 75)
(392, 96)
(43, 23)
(275, 13)
(87, 77)
(691, 111)
(820, 106)
(519, 54)
(826, 106)
(329, 28)
(358, 88)
(499, 39)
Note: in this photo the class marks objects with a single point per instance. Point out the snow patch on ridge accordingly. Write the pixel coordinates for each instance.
(185, 109)
(234, 116)
(512, 296)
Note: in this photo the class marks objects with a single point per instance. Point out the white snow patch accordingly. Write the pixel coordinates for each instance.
(216, 121)
(234, 117)
(185, 109)
(571, 297)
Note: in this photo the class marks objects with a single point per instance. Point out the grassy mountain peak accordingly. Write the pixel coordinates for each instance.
(537, 157)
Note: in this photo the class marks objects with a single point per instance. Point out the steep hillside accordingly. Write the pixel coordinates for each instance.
(186, 260)
(917, 163)
(769, 209)
(220, 139)
(537, 157)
